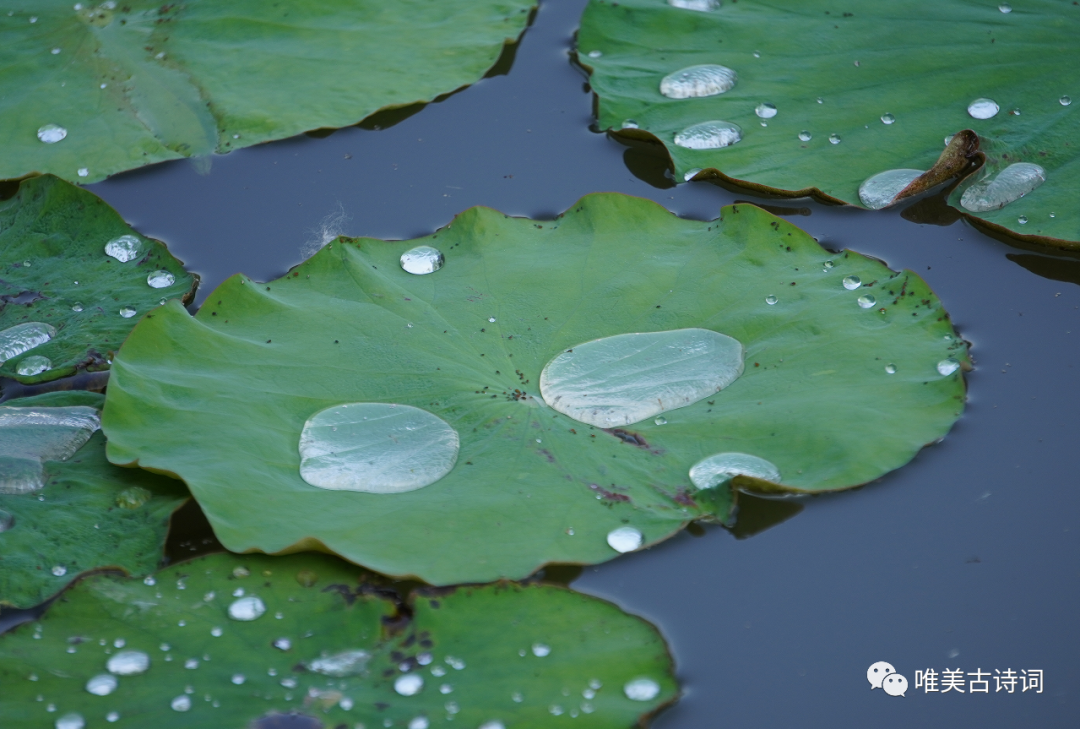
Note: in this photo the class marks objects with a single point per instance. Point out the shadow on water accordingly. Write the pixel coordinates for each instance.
(757, 514)
(1055, 269)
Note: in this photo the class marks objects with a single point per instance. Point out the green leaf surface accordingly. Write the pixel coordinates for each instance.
(76, 524)
(139, 82)
(477, 649)
(220, 399)
(921, 63)
(52, 261)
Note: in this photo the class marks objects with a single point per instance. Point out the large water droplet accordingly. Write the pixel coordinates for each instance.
(540, 650)
(127, 311)
(181, 703)
(983, 108)
(409, 684)
(625, 539)
(160, 279)
(709, 135)
(1065, 100)
(29, 436)
(627, 378)
(722, 467)
(765, 111)
(376, 448)
(247, 608)
(947, 366)
(852, 282)
(866, 301)
(124, 248)
(641, 689)
(702, 6)
(1009, 185)
(70, 721)
(879, 190)
(51, 133)
(805, 136)
(128, 663)
(132, 497)
(771, 300)
(24, 337)
(422, 260)
(7, 521)
(102, 685)
(698, 81)
(887, 118)
(344, 663)
(835, 138)
(34, 365)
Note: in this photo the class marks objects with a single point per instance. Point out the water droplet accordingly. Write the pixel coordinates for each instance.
(283, 644)
(409, 684)
(691, 173)
(112, 717)
(866, 301)
(418, 722)
(59, 570)
(983, 108)
(123, 248)
(34, 365)
(771, 300)
(625, 539)
(852, 282)
(51, 133)
(149, 580)
(77, 307)
(947, 366)
(556, 710)
(495, 723)
(422, 260)
(1065, 100)
(160, 279)
(338, 665)
(247, 609)
(1009, 185)
(541, 649)
(1005, 8)
(164, 646)
(83, 172)
(757, 54)
(1022, 220)
(181, 703)
(661, 420)
(238, 679)
(641, 689)
(288, 682)
(709, 135)
(890, 368)
(425, 658)
(216, 631)
(765, 111)
(887, 118)
(826, 266)
(438, 671)
(722, 467)
(878, 191)
(595, 54)
(376, 448)
(24, 337)
(132, 497)
(102, 685)
(128, 663)
(834, 138)
(446, 688)
(491, 319)
(702, 6)
(456, 663)
(70, 721)
(627, 378)
(630, 124)
(127, 312)
(805, 135)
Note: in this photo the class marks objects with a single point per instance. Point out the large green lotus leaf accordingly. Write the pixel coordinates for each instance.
(833, 72)
(138, 82)
(498, 656)
(91, 515)
(54, 270)
(220, 399)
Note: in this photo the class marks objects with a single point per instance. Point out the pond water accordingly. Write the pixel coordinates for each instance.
(965, 559)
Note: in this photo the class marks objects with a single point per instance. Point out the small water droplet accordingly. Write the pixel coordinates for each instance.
(983, 109)
(83, 172)
(51, 133)
(491, 319)
(409, 684)
(132, 497)
(540, 650)
(641, 689)
(1065, 100)
(1009, 185)
(852, 282)
(1022, 220)
(880, 190)
(446, 688)
(595, 54)
(127, 312)
(149, 580)
(160, 279)
(346, 703)
(438, 671)
(826, 266)
(72, 720)
(77, 307)
(805, 135)
(418, 722)
(123, 248)
(181, 703)
(771, 300)
(887, 118)
(722, 467)
(33, 365)
(59, 570)
(288, 682)
(216, 631)
(112, 717)
(238, 679)
(866, 301)
(702, 6)
(890, 368)
(1005, 8)
(765, 111)
(757, 54)
(661, 420)
(128, 663)
(283, 644)
(834, 138)
(247, 609)
(102, 685)
(947, 366)
(709, 135)
(625, 539)
(630, 124)
(422, 260)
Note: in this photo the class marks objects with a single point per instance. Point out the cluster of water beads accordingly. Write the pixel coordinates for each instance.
(641, 689)
(709, 135)
(247, 609)
(1009, 185)
(51, 133)
(422, 260)
(881, 189)
(702, 6)
(160, 279)
(695, 82)
(33, 365)
(983, 109)
(722, 467)
(625, 539)
(124, 248)
(22, 338)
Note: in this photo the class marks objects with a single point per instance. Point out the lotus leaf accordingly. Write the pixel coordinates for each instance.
(854, 93)
(221, 399)
(116, 86)
(91, 515)
(224, 640)
(54, 271)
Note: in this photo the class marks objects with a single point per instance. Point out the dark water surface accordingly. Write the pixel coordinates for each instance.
(965, 559)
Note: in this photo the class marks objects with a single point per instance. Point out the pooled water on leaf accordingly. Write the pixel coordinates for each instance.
(376, 448)
(51, 133)
(24, 337)
(626, 378)
(409, 684)
(879, 190)
(338, 665)
(887, 118)
(866, 301)
(699, 81)
(1009, 185)
(709, 135)
(128, 663)
(124, 248)
(29, 436)
(132, 497)
(625, 539)
(70, 721)
(722, 467)
(160, 279)
(983, 108)
(852, 282)
(422, 260)
(702, 6)
(102, 685)
(765, 111)
(641, 689)
(947, 366)
(247, 609)
(33, 365)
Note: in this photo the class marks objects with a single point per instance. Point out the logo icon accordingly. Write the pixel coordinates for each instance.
(882, 675)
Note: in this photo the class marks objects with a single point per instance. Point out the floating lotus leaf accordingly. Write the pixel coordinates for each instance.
(91, 89)
(887, 82)
(221, 399)
(173, 653)
(55, 276)
(90, 515)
